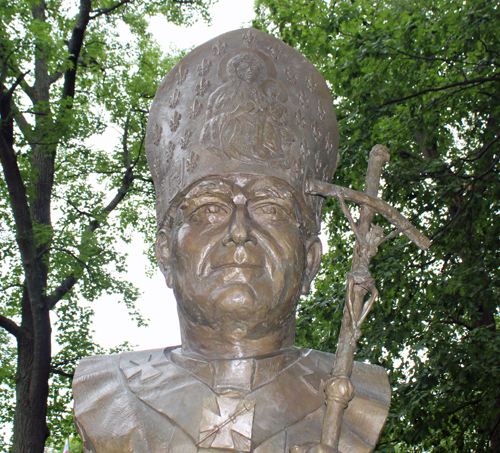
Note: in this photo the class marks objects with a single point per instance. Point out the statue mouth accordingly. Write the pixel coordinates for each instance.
(233, 267)
(240, 259)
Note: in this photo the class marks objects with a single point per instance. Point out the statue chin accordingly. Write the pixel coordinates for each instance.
(249, 306)
(235, 301)
(235, 322)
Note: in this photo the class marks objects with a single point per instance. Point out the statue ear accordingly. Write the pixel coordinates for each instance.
(162, 250)
(314, 252)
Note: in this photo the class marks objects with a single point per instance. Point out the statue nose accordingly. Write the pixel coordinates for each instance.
(239, 229)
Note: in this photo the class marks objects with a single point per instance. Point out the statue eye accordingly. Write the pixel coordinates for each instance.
(270, 213)
(271, 210)
(209, 214)
(212, 209)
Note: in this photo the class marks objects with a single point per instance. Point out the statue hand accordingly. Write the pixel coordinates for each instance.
(318, 448)
(245, 108)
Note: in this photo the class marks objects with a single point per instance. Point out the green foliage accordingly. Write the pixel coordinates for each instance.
(422, 78)
(97, 193)
(75, 445)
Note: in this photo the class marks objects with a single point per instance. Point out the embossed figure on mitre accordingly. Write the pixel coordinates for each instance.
(246, 117)
(276, 134)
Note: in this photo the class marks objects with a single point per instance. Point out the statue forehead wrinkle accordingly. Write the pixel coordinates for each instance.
(213, 186)
(239, 188)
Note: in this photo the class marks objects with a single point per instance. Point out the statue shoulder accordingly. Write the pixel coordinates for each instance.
(365, 416)
(369, 380)
(107, 366)
(99, 380)
(106, 407)
(96, 366)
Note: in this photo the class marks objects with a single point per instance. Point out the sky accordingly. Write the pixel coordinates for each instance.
(112, 324)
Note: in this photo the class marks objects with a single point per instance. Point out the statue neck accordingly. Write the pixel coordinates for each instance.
(234, 343)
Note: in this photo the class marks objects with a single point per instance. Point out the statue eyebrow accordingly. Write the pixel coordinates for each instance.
(210, 188)
(263, 189)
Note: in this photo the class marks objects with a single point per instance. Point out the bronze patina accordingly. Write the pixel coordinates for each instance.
(242, 143)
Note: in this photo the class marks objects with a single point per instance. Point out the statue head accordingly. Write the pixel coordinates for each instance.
(245, 66)
(237, 234)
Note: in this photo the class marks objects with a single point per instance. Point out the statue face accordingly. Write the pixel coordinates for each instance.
(247, 71)
(245, 66)
(238, 255)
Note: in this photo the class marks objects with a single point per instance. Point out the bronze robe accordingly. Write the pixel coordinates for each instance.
(162, 401)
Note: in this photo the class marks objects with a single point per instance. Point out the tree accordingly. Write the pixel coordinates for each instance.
(65, 73)
(423, 78)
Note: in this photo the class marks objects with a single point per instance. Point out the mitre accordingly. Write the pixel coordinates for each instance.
(245, 103)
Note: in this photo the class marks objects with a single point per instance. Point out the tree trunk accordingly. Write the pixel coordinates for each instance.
(30, 427)
(34, 346)
(495, 434)
(32, 376)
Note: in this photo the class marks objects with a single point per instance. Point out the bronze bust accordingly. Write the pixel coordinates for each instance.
(236, 131)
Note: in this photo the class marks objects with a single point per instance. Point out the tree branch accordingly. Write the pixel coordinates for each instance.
(486, 47)
(141, 145)
(55, 77)
(71, 279)
(11, 327)
(19, 203)
(446, 87)
(148, 180)
(418, 57)
(63, 289)
(75, 47)
(29, 90)
(126, 154)
(54, 370)
(485, 148)
(3, 70)
(17, 82)
(76, 258)
(456, 322)
(14, 285)
(450, 222)
(101, 11)
(83, 213)
(22, 123)
(128, 179)
(466, 404)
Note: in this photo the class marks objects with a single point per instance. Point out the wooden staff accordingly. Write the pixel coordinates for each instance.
(339, 389)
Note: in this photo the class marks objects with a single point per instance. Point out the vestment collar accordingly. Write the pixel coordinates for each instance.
(237, 377)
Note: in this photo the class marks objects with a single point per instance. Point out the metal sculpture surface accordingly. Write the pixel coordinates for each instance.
(242, 143)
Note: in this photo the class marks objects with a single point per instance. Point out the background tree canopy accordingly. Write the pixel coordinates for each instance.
(66, 72)
(422, 78)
